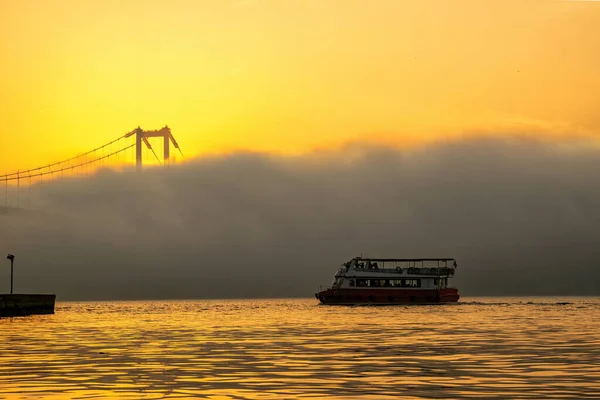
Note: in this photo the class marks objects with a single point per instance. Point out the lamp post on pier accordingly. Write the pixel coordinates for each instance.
(12, 262)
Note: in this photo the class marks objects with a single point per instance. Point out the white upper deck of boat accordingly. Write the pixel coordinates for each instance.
(397, 267)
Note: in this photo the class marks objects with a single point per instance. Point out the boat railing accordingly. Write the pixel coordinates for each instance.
(434, 271)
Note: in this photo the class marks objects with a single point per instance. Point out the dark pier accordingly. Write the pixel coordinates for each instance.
(16, 305)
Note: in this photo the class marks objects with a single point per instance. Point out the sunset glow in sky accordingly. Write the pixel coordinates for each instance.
(288, 76)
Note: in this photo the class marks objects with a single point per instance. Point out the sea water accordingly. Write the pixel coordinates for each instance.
(505, 348)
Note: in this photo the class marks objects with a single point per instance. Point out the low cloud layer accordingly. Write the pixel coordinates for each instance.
(521, 217)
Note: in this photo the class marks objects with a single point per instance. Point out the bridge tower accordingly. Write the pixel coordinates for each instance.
(141, 136)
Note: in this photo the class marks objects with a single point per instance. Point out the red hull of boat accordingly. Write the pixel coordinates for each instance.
(387, 296)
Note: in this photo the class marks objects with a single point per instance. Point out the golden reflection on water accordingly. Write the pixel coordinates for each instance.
(295, 349)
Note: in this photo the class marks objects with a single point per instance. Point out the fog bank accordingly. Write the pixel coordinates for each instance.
(520, 216)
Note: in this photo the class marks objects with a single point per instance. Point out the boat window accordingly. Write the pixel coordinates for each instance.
(379, 282)
(351, 282)
(412, 282)
(389, 282)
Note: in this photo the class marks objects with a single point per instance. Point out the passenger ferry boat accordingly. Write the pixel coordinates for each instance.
(392, 281)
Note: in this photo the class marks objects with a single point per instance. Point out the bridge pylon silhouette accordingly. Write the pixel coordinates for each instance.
(142, 136)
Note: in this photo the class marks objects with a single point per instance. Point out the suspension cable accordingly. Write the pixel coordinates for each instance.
(64, 161)
(7, 178)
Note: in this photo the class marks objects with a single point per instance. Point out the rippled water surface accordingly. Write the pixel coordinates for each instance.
(291, 349)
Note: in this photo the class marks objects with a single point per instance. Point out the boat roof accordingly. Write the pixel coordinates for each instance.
(403, 259)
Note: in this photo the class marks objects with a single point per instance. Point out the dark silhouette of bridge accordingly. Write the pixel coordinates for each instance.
(113, 152)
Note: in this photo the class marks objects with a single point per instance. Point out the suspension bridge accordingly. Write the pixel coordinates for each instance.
(125, 150)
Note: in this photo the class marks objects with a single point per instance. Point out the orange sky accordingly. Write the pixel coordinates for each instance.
(286, 76)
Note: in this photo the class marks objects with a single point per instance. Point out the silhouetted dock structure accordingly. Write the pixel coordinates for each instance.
(14, 305)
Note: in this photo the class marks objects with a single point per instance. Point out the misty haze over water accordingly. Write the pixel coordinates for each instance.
(521, 217)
